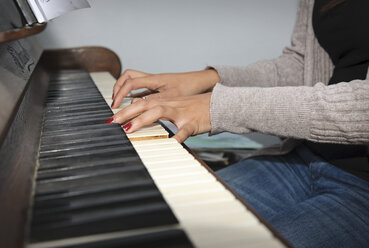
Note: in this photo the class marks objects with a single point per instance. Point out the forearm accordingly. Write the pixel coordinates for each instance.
(287, 70)
(205, 80)
(334, 114)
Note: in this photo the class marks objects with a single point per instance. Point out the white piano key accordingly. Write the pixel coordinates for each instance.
(183, 180)
(157, 142)
(104, 82)
(191, 188)
(159, 160)
(158, 147)
(228, 220)
(270, 243)
(177, 172)
(222, 236)
(167, 166)
(216, 196)
(210, 209)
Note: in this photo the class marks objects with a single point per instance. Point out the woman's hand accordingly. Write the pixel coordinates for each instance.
(163, 85)
(190, 114)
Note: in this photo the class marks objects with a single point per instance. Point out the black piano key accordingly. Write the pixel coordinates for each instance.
(78, 122)
(65, 118)
(86, 168)
(86, 129)
(75, 103)
(72, 86)
(150, 213)
(50, 114)
(138, 173)
(77, 149)
(69, 107)
(86, 163)
(73, 93)
(126, 151)
(72, 144)
(69, 75)
(56, 138)
(53, 100)
(78, 194)
(83, 161)
(75, 115)
(73, 100)
(81, 191)
(164, 239)
(85, 203)
(85, 174)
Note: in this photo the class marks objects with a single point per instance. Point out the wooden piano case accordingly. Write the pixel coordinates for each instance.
(24, 73)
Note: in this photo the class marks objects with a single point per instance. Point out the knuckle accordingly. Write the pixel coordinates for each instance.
(144, 103)
(127, 71)
(160, 109)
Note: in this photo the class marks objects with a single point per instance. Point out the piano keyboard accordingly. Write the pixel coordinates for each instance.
(207, 211)
(95, 188)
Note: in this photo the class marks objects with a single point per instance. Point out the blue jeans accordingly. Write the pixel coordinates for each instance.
(309, 201)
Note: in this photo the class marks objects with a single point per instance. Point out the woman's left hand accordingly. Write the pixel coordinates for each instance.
(190, 114)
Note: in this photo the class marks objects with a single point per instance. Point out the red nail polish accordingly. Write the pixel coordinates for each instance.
(127, 126)
(109, 121)
(112, 103)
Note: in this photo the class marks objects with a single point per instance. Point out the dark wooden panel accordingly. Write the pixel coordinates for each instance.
(18, 59)
(92, 59)
(18, 33)
(18, 155)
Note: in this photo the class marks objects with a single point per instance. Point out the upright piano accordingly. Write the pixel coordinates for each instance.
(67, 179)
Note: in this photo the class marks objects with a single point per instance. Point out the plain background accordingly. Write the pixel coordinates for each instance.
(178, 35)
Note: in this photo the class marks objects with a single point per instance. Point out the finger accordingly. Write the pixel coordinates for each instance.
(149, 117)
(124, 77)
(130, 111)
(128, 74)
(144, 93)
(132, 84)
(134, 100)
(183, 133)
(160, 95)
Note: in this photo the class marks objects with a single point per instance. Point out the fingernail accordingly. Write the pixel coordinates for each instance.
(109, 121)
(112, 103)
(127, 126)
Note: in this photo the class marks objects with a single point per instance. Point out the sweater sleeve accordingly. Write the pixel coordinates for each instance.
(288, 69)
(332, 114)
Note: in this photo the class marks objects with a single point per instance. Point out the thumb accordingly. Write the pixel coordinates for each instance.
(183, 133)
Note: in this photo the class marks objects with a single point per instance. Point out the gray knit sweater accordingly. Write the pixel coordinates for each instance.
(289, 96)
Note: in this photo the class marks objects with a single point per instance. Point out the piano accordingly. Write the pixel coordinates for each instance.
(67, 179)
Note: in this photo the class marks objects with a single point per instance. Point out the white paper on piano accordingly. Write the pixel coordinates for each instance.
(45, 10)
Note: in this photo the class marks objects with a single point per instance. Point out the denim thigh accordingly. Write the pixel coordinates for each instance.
(309, 201)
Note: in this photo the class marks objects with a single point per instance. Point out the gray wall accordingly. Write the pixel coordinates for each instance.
(178, 35)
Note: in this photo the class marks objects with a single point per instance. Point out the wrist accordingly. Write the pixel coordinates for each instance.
(213, 77)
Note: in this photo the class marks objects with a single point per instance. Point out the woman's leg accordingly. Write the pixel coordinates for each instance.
(310, 202)
(270, 184)
(336, 215)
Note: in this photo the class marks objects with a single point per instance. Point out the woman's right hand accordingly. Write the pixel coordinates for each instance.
(163, 85)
